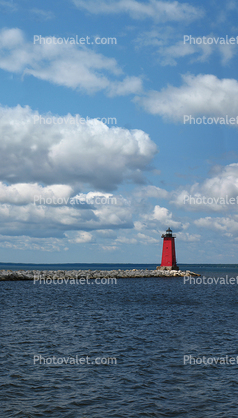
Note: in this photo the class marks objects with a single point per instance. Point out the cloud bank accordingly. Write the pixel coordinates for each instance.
(90, 153)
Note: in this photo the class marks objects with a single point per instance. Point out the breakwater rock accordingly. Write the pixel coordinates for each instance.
(36, 275)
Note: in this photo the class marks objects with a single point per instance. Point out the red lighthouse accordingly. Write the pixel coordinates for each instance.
(168, 253)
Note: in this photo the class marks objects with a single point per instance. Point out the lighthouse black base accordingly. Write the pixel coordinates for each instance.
(168, 268)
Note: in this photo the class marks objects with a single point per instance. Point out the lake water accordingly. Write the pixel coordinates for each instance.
(147, 325)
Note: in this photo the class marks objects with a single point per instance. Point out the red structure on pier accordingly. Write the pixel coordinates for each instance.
(168, 253)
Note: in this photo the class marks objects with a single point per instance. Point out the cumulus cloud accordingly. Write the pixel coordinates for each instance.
(204, 95)
(64, 64)
(164, 217)
(54, 221)
(80, 237)
(79, 224)
(154, 9)
(213, 194)
(139, 226)
(92, 198)
(43, 162)
(114, 216)
(227, 226)
(24, 193)
(90, 153)
(221, 190)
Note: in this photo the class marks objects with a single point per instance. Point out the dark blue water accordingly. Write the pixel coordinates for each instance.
(148, 325)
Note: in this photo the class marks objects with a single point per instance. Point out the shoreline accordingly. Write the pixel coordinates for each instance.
(10, 275)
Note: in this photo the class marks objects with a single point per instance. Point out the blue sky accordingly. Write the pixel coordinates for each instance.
(160, 171)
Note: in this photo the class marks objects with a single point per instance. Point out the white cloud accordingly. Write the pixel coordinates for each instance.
(109, 247)
(139, 238)
(154, 38)
(130, 85)
(124, 240)
(139, 226)
(106, 233)
(81, 237)
(43, 14)
(151, 191)
(54, 162)
(63, 64)
(8, 6)
(185, 236)
(204, 95)
(227, 53)
(227, 226)
(29, 243)
(114, 215)
(168, 52)
(169, 55)
(23, 193)
(164, 217)
(213, 194)
(154, 9)
(54, 221)
(90, 153)
(146, 239)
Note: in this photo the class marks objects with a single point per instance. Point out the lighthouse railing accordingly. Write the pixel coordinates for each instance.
(168, 236)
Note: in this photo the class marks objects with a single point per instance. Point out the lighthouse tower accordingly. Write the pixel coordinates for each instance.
(168, 254)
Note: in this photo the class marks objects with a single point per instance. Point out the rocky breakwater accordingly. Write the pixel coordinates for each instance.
(80, 275)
